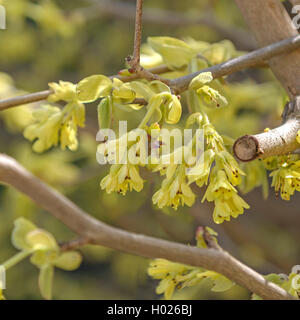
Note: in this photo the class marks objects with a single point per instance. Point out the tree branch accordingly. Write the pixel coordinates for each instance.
(249, 60)
(87, 227)
(274, 142)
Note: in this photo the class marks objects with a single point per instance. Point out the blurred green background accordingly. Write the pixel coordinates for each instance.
(46, 41)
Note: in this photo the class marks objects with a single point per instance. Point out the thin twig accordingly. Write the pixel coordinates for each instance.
(134, 62)
(255, 58)
(24, 99)
(86, 226)
(74, 244)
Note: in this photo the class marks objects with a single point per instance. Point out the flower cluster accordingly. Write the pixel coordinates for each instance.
(178, 276)
(221, 179)
(54, 125)
(162, 109)
(285, 174)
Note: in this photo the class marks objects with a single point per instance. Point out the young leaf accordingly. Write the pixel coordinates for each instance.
(93, 87)
(176, 53)
(200, 80)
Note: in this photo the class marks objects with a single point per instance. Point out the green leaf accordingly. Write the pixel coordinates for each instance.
(21, 229)
(176, 53)
(200, 80)
(46, 281)
(93, 87)
(39, 239)
(68, 260)
(104, 113)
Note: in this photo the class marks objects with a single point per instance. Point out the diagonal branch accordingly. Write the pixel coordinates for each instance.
(87, 227)
(249, 60)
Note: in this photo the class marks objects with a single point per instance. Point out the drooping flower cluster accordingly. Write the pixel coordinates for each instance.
(174, 276)
(54, 125)
(175, 189)
(163, 109)
(122, 178)
(221, 179)
(285, 174)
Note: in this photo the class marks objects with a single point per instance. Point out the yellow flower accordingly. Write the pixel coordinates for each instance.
(68, 137)
(168, 272)
(174, 191)
(64, 91)
(229, 164)
(46, 130)
(286, 180)
(121, 178)
(200, 172)
(227, 202)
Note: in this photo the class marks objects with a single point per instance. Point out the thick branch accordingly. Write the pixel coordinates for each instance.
(255, 58)
(99, 233)
(270, 22)
(278, 141)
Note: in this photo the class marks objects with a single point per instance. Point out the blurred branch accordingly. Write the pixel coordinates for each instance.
(252, 59)
(24, 99)
(270, 22)
(87, 227)
(242, 39)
